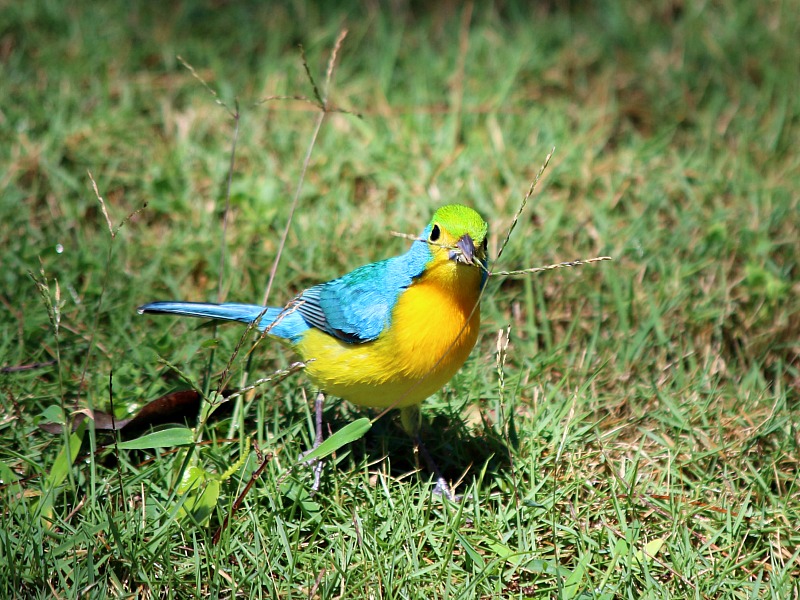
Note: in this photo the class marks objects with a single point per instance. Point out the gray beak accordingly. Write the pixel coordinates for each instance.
(467, 250)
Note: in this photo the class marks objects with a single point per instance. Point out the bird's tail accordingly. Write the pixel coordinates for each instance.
(230, 311)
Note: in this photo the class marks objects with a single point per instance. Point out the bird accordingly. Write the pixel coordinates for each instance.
(388, 334)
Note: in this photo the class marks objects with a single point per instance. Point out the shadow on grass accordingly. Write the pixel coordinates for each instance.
(460, 452)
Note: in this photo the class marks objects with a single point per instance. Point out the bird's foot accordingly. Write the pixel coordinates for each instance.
(315, 463)
(443, 490)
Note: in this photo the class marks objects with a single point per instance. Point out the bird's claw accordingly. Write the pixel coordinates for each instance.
(316, 465)
(443, 490)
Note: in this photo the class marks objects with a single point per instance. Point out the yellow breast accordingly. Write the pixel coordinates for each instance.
(433, 328)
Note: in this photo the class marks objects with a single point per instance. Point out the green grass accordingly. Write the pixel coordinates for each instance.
(637, 438)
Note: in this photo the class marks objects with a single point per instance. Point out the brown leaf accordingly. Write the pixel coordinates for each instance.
(182, 406)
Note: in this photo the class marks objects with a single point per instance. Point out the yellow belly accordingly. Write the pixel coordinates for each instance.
(433, 329)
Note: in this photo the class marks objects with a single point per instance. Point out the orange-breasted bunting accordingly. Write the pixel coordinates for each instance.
(390, 333)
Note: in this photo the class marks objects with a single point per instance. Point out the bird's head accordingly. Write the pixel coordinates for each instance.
(458, 238)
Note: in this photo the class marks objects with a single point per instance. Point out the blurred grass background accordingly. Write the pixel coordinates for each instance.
(641, 437)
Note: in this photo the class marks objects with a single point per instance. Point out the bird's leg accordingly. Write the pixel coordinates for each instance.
(411, 418)
(442, 487)
(318, 404)
(317, 464)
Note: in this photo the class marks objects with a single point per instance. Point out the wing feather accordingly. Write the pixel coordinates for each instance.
(358, 306)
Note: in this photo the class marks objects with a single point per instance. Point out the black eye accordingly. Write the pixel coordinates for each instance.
(435, 233)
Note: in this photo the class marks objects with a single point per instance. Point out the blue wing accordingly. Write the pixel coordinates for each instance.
(354, 308)
(358, 306)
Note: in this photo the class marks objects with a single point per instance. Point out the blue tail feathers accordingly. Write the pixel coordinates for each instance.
(290, 326)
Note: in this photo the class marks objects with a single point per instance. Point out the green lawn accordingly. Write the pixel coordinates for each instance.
(637, 435)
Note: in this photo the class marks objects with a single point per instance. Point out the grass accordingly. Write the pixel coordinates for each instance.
(637, 436)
